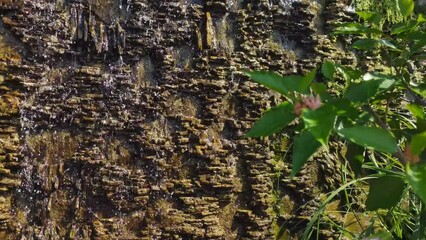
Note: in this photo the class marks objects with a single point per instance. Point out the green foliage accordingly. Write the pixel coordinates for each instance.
(371, 17)
(305, 145)
(284, 85)
(270, 80)
(380, 235)
(418, 143)
(349, 73)
(372, 137)
(273, 120)
(383, 141)
(385, 192)
(328, 69)
(406, 7)
(363, 92)
(416, 175)
(355, 28)
(320, 122)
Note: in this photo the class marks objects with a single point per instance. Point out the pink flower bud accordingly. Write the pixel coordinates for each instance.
(312, 102)
(298, 107)
(409, 156)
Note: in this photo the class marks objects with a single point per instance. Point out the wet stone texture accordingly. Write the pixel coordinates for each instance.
(124, 119)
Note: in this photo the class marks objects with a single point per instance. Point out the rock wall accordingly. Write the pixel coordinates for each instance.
(124, 119)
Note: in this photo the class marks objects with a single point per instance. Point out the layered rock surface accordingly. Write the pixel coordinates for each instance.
(124, 119)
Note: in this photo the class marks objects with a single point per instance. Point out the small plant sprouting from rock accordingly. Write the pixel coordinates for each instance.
(380, 112)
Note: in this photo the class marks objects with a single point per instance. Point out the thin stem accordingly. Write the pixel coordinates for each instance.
(383, 125)
(417, 99)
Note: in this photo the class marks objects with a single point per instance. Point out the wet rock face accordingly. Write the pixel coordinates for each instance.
(123, 119)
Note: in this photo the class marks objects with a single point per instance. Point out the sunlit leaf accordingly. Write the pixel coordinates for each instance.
(377, 76)
(385, 192)
(320, 122)
(388, 43)
(349, 73)
(371, 17)
(421, 18)
(403, 27)
(416, 175)
(299, 83)
(305, 145)
(362, 92)
(406, 7)
(273, 120)
(281, 84)
(373, 84)
(270, 80)
(380, 236)
(416, 110)
(375, 138)
(365, 44)
(355, 28)
(328, 69)
(370, 44)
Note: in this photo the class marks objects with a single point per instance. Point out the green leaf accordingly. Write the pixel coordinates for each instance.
(387, 80)
(403, 27)
(406, 7)
(320, 122)
(421, 18)
(305, 145)
(380, 236)
(270, 80)
(417, 46)
(362, 92)
(375, 138)
(273, 120)
(299, 83)
(371, 17)
(319, 88)
(416, 110)
(385, 192)
(328, 70)
(377, 76)
(349, 73)
(344, 107)
(354, 28)
(418, 143)
(415, 35)
(416, 175)
(373, 84)
(388, 43)
(282, 84)
(369, 44)
(365, 44)
(306, 81)
(355, 157)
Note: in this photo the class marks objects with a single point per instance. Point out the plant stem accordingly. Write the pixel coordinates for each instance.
(418, 100)
(399, 155)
